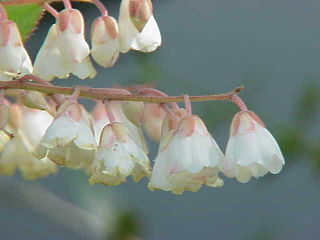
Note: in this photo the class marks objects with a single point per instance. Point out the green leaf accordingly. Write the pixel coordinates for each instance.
(26, 16)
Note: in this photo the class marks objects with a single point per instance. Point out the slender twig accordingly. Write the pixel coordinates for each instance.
(104, 94)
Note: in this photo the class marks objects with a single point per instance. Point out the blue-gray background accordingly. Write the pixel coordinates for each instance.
(209, 46)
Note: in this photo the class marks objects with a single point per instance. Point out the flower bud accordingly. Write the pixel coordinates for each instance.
(140, 11)
(105, 41)
(14, 58)
(251, 150)
(137, 27)
(71, 42)
(33, 99)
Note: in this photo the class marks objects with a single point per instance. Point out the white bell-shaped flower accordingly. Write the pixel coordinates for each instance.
(65, 50)
(118, 157)
(188, 157)
(18, 152)
(14, 57)
(137, 26)
(251, 150)
(105, 41)
(69, 140)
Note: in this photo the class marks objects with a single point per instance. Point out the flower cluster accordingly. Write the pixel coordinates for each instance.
(109, 144)
(39, 132)
(65, 49)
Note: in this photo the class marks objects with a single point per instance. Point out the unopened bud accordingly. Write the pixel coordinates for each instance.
(134, 111)
(4, 115)
(33, 99)
(105, 43)
(140, 11)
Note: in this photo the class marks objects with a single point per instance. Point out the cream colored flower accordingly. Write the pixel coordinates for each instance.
(14, 57)
(137, 26)
(69, 140)
(118, 157)
(65, 50)
(188, 157)
(105, 41)
(251, 150)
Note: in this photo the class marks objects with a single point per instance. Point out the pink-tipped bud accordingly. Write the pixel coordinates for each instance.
(70, 40)
(140, 11)
(14, 58)
(33, 99)
(248, 120)
(70, 19)
(138, 27)
(105, 43)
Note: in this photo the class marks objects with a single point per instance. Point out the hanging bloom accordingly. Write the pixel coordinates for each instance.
(251, 150)
(69, 140)
(188, 157)
(28, 127)
(118, 157)
(65, 50)
(137, 27)
(105, 41)
(14, 57)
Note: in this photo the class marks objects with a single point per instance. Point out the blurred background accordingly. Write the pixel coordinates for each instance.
(209, 46)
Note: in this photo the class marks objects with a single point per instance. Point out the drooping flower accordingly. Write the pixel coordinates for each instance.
(69, 140)
(14, 57)
(65, 49)
(187, 157)
(251, 150)
(118, 157)
(137, 26)
(28, 127)
(105, 41)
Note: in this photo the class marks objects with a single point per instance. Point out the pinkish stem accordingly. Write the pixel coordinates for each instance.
(109, 111)
(102, 8)
(155, 92)
(3, 13)
(50, 10)
(239, 102)
(67, 4)
(187, 104)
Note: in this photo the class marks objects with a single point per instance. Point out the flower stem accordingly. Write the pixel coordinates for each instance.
(50, 10)
(104, 93)
(3, 13)
(187, 104)
(67, 4)
(102, 8)
(239, 102)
